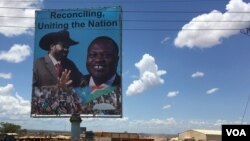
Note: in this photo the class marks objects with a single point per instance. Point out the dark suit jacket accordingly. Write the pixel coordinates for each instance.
(88, 107)
(44, 72)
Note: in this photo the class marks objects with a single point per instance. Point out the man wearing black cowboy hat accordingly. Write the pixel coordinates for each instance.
(53, 77)
(49, 68)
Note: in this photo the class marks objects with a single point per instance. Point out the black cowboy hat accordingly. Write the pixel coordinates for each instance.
(56, 37)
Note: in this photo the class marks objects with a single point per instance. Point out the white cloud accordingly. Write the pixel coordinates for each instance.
(165, 40)
(5, 75)
(209, 38)
(6, 89)
(166, 107)
(197, 74)
(149, 76)
(16, 54)
(154, 125)
(160, 122)
(220, 122)
(12, 104)
(26, 10)
(199, 123)
(213, 90)
(173, 93)
(123, 119)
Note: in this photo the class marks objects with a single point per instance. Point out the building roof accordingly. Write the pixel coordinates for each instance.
(208, 132)
(10, 134)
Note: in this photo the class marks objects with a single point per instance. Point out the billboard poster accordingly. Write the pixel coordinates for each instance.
(77, 63)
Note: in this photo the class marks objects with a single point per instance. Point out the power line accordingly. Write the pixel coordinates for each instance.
(138, 29)
(141, 11)
(178, 21)
(141, 20)
(245, 109)
(118, 1)
(18, 17)
(184, 12)
(22, 8)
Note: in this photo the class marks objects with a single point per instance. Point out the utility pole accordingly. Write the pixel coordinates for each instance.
(75, 120)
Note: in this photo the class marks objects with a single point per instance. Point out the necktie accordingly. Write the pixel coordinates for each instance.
(93, 88)
(58, 69)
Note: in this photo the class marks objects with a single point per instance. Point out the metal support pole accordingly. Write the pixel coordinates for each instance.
(75, 120)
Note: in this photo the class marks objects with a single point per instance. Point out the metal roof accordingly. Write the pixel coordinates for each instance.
(208, 132)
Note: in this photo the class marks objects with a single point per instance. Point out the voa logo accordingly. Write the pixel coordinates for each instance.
(236, 132)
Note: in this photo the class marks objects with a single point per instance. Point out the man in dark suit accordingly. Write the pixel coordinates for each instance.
(102, 60)
(48, 69)
(52, 74)
(103, 82)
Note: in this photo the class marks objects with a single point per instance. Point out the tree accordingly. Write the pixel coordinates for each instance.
(6, 127)
(23, 132)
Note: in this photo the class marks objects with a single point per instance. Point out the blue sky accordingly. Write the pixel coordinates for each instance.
(175, 77)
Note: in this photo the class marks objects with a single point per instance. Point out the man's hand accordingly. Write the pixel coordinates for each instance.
(64, 81)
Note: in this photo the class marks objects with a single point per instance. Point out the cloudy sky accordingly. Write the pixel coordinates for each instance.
(185, 64)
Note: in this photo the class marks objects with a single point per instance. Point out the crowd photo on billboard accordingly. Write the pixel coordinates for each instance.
(77, 63)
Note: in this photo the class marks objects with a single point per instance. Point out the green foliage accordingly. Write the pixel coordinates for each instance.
(6, 127)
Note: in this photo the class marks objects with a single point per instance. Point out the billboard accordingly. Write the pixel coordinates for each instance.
(77, 63)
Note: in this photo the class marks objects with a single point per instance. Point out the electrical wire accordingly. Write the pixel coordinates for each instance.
(142, 20)
(118, 1)
(136, 29)
(245, 109)
(146, 11)
(138, 12)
